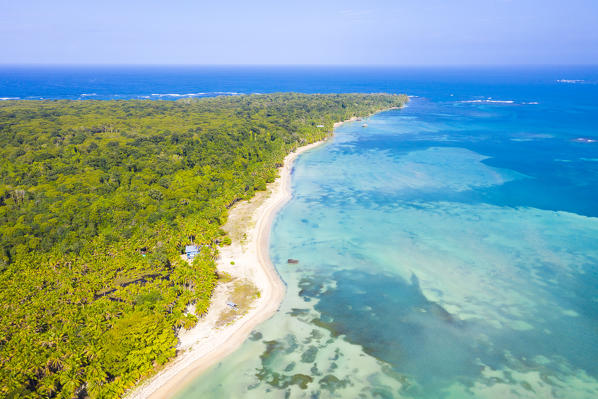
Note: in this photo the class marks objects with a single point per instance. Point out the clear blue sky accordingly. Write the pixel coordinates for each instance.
(397, 32)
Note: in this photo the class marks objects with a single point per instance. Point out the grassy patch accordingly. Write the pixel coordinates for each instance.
(243, 293)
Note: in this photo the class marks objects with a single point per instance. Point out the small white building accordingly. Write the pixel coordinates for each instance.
(191, 251)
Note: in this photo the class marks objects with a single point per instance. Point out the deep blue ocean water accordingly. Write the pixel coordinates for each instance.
(171, 82)
(447, 250)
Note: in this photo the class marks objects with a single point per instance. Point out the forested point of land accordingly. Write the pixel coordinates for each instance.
(98, 200)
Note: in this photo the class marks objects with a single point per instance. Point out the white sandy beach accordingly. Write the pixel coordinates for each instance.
(206, 343)
(245, 259)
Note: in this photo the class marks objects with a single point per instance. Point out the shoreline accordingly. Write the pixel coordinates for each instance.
(197, 357)
(207, 343)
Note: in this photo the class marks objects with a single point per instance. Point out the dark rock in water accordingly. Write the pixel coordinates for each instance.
(293, 261)
(301, 379)
(255, 336)
(309, 356)
(295, 312)
(331, 383)
(290, 367)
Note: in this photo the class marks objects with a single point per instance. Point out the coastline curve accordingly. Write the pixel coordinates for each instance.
(207, 345)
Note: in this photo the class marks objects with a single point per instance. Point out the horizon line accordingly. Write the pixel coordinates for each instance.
(294, 65)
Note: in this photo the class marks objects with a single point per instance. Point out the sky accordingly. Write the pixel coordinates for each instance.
(288, 32)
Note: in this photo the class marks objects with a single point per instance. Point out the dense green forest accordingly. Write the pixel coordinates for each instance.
(98, 199)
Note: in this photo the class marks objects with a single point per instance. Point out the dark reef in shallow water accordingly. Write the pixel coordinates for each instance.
(401, 310)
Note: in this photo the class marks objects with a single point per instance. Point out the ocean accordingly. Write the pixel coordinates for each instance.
(447, 250)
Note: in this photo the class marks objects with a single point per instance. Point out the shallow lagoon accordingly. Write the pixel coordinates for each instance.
(446, 251)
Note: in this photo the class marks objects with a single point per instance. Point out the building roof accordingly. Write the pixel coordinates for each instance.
(191, 248)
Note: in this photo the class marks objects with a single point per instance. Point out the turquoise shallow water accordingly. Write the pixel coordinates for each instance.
(448, 250)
